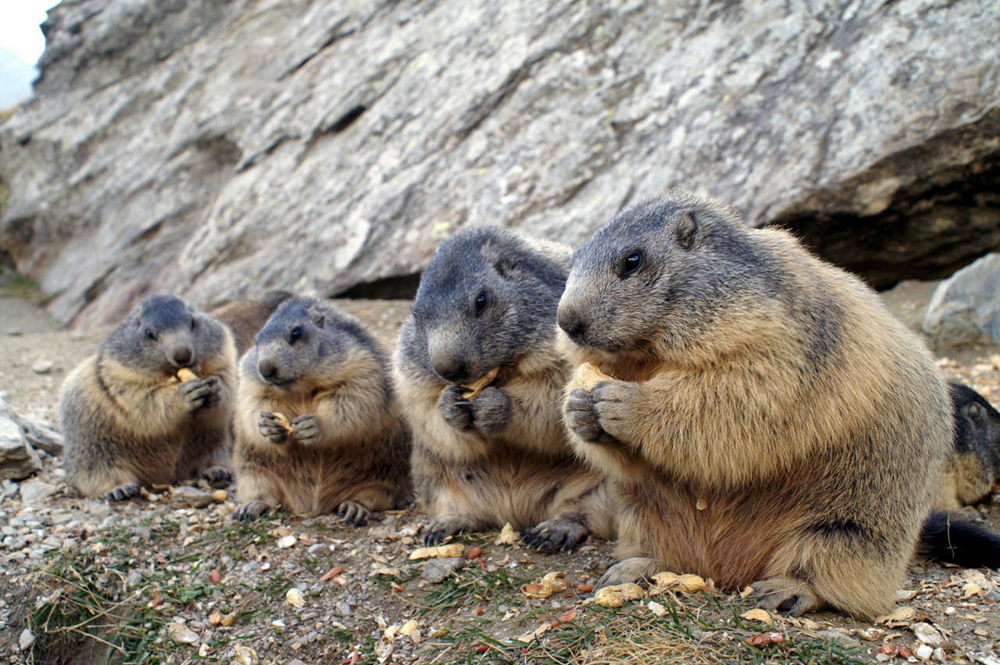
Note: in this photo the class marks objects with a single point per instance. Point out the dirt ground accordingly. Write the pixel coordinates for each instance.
(157, 581)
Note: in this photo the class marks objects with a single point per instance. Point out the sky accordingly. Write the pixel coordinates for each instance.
(21, 43)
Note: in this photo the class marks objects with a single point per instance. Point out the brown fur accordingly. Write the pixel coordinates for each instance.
(246, 316)
(512, 464)
(361, 454)
(128, 425)
(809, 421)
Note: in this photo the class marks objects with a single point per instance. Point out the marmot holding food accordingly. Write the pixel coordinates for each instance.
(317, 427)
(153, 406)
(483, 456)
(768, 420)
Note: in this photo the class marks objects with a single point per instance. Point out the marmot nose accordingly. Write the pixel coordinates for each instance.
(571, 322)
(182, 356)
(454, 371)
(268, 370)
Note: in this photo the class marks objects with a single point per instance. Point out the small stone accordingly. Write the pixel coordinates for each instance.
(42, 366)
(220, 495)
(840, 638)
(43, 438)
(134, 578)
(294, 597)
(286, 541)
(657, 609)
(36, 491)
(927, 634)
(923, 652)
(26, 640)
(189, 497)
(182, 634)
(436, 570)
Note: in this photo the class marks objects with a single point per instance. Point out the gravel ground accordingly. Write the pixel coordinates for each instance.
(168, 579)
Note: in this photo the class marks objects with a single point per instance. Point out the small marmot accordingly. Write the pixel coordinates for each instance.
(127, 420)
(317, 427)
(770, 422)
(487, 300)
(973, 468)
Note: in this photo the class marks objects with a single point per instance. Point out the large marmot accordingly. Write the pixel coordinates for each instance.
(486, 301)
(317, 427)
(771, 422)
(127, 419)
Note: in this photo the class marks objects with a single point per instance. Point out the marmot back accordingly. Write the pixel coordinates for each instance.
(485, 313)
(770, 421)
(127, 419)
(317, 427)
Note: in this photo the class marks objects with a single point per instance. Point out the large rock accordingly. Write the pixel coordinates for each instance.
(217, 148)
(965, 309)
(17, 458)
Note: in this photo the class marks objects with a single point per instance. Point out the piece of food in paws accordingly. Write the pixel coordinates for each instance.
(590, 375)
(479, 384)
(282, 420)
(184, 374)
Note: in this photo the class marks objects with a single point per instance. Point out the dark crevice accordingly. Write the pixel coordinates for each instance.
(927, 234)
(345, 120)
(397, 287)
(220, 150)
(332, 37)
(943, 213)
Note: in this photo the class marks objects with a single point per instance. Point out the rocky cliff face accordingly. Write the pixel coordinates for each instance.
(223, 147)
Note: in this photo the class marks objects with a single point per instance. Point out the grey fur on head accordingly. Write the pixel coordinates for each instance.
(303, 339)
(486, 297)
(665, 265)
(162, 334)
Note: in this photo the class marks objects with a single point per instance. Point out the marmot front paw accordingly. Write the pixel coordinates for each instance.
(270, 428)
(491, 411)
(199, 393)
(583, 419)
(305, 429)
(455, 409)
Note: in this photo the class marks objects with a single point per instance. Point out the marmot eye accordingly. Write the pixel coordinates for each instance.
(294, 335)
(150, 334)
(481, 302)
(631, 263)
(193, 322)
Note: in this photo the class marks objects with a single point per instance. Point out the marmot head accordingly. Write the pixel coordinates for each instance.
(486, 297)
(163, 334)
(662, 278)
(977, 429)
(305, 342)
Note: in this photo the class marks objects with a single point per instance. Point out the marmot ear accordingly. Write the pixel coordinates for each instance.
(317, 317)
(686, 229)
(976, 413)
(503, 266)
